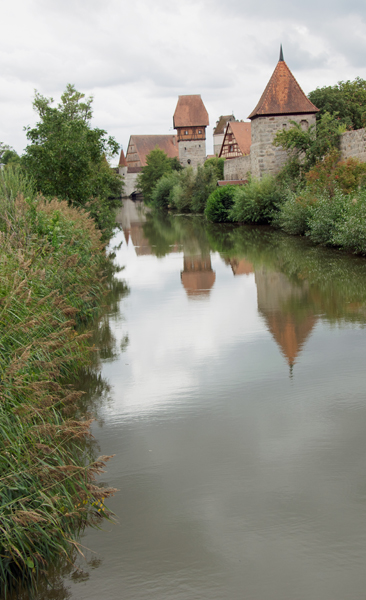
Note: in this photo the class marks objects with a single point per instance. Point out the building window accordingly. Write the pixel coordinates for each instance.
(304, 125)
(200, 131)
(186, 133)
(189, 161)
(231, 148)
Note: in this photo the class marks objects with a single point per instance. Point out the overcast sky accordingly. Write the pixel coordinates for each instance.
(135, 57)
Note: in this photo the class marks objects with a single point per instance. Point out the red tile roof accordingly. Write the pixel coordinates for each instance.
(242, 135)
(145, 143)
(283, 95)
(223, 182)
(122, 160)
(190, 112)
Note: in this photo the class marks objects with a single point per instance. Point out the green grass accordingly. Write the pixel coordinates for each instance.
(51, 279)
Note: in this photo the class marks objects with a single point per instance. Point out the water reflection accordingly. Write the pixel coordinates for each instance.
(197, 276)
(236, 481)
(296, 283)
(277, 296)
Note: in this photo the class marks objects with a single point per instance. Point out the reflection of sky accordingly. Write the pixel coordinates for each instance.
(175, 340)
(181, 349)
(236, 481)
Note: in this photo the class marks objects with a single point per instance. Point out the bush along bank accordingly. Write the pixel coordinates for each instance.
(328, 204)
(51, 270)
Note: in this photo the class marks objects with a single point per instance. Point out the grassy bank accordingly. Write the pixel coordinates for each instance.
(52, 264)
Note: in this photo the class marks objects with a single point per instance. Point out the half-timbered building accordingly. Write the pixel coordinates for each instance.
(237, 140)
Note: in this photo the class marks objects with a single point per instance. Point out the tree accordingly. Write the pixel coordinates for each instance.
(157, 164)
(67, 157)
(305, 147)
(346, 101)
(218, 164)
(7, 154)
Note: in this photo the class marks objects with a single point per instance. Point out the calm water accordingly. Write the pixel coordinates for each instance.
(237, 414)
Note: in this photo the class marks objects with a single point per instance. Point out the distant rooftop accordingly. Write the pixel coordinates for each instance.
(145, 143)
(190, 112)
(222, 122)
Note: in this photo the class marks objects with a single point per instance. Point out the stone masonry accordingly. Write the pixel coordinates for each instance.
(237, 168)
(353, 144)
(266, 158)
(192, 152)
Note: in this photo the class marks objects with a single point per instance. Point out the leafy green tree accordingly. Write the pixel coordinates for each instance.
(7, 154)
(157, 164)
(66, 157)
(218, 164)
(305, 147)
(205, 183)
(346, 101)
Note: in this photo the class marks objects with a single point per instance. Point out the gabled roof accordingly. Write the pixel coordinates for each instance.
(145, 143)
(283, 95)
(122, 160)
(242, 135)
(190, 112)
(222, 122)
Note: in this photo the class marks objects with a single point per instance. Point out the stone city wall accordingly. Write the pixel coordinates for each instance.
(237, 168)
(353, 144)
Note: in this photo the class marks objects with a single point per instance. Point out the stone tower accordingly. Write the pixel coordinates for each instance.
(281, 102)
(190, 120)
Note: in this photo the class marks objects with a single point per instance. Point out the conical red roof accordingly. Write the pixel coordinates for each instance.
(283, 96)
(122, 160)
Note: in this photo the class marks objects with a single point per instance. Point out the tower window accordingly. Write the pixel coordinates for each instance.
(189, 161)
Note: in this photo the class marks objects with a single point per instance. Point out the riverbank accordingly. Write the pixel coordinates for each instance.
(52, 265)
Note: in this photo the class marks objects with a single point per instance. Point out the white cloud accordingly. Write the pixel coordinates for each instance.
(136, 58)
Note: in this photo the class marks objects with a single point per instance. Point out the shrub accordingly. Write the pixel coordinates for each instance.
(324, 216)
(257, 201)
(294, 214)
(219, 204)
(330, 174)
(350, 232)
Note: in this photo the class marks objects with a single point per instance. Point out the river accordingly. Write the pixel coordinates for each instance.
(235, 404)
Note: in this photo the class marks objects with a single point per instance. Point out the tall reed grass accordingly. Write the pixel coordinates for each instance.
(51, 278)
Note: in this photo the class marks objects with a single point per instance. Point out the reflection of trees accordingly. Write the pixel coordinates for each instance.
(335, 282)
(166, 232)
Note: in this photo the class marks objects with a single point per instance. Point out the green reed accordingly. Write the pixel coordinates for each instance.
(51, 278)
